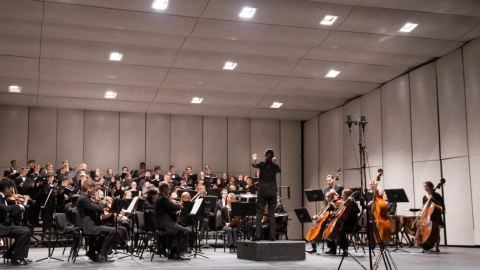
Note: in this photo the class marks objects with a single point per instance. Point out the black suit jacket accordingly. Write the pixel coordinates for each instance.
(338, 188)
(90, 214)
(166, 215)
(6, 212)
(267, 184)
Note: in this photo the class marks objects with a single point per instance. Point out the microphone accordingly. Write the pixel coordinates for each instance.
(349, 121)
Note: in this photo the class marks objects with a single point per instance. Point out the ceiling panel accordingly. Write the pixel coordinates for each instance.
(19, 67)
(18, 100)
(29, 87)
(451, 46)
(220, 81)
(278, 12)
(389, 21)
(282, 114)
(348, 71)
(198, 110)
(463, 7)
(100, 52)
(245, 47)
(362, 57)
(20, 27)
(472, 34)
(251, 64)
(21, 9)
(384, 44)
(327, 85)
(96, 91)
(221, 99)
(88, 33)
(118, 19)
(313, 94)
(19, 45)
(189, 8)
(301, 103)
(93, 104)
(259, 32)
(103, 73)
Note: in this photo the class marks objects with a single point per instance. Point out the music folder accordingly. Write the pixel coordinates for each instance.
(314, 195)
(194, 178)
(396, 195)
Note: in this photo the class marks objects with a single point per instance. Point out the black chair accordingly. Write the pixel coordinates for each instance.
(78, 236)
(152, 232)
(6, 245)
(220, 231)
(60, 220)
(282, 227)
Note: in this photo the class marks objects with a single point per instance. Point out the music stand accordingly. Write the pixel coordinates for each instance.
(314, 195)
(194, 178)
(135, 193)
(198, 209)
(215, 192)
(244, 209)
(303, 216)
(397, 196)
(358, 193)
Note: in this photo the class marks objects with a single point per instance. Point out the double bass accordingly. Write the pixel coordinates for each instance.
(428, 231)
(380, 215)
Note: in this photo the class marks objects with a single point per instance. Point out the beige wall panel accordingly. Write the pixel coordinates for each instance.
(158, 141)
(350, 139)
(459, 220)
(451, 102)
(70, 137)
(186, 142)
(239, 156)
(372, 109)
(310, 162)
(264, 134)
(331, 140)
(132, 141)
(42, 135)
(475, 180)
(472, 94)
(215, 142)
(396, 131)
(399, 176)
(13, 135)
(423, 91)
(101, 143)
(424, 171)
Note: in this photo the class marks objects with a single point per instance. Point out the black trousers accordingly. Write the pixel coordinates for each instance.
(272, 203)
(19, 249)
(105, 241)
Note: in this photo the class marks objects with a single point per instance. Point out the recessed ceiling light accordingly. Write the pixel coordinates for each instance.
(247, 13)
(115, 56)
(111, 76)
(329, 20)
(160, 4)
(197, 100)
(110, 94)
(229, 65)
(332, 73)
(14, 88)
(276, 105)
(408, 27)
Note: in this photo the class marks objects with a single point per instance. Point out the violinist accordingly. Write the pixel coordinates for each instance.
(230, 231)
(152, 195)
(436, 198)
(330, 201)
(109, 219)
(18, 251)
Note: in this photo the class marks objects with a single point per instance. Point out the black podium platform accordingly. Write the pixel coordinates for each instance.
(271, 250)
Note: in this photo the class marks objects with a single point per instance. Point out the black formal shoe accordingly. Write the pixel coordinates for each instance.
(331, 252)
(19, 262)
(102, 258)
(164, 253)
(255, 239)
(272, 239)
(91, 255)
(182, 258)
(345, 254)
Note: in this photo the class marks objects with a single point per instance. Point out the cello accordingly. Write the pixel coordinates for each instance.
(338, 217)
(428, 232)
(380, 214)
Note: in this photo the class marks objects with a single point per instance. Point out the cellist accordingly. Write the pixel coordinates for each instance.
(329, 198)
(436, 198)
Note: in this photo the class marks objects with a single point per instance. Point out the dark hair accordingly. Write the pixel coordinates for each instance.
(171, 166)
(188, 167)
(142, 163)
(13, 161)
(429, 184)
(157, 168)
(268, 157)
(31, 160)
(5, 183)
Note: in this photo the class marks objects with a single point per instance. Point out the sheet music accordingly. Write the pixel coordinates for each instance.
(132, 204)
(196, 206)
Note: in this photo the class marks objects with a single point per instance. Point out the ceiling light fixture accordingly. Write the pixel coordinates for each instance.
(110, 94)
(197, 100)
(14, 89)
(408, 27)
(229, 65)
(276, 105)
(332, 73)
(247, 13)
(115, 56)
(329, 20)
(160, 4)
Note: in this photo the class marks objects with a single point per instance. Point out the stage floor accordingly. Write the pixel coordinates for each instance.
(450, 258)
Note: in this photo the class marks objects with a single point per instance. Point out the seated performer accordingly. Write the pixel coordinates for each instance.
(166, 212)
(187, 221)
(109, 220)
(231, 230)
(90, 210)
(329, 198)
(17, 252)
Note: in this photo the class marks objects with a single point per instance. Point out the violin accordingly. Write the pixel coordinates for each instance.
(17, 198)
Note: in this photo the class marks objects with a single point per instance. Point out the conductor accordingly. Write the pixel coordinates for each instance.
(267, 192)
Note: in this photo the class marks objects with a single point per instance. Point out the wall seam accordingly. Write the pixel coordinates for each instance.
(411, 136)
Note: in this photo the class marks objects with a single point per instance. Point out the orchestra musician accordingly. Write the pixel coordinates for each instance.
(348, 226)
(109, 219)
(391, 207)
(18, 251)
(90, 207)
(329, 198)
(436, 198)
(152, 195)
(333, 187)
(187, 221)
(230, 230)
(267, 192)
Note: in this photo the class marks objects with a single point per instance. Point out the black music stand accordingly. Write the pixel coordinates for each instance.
(303, 216)
(215, 192)
(244, 210)
(314, 195)
(358, 194)
(397, 196)
(198, 210)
